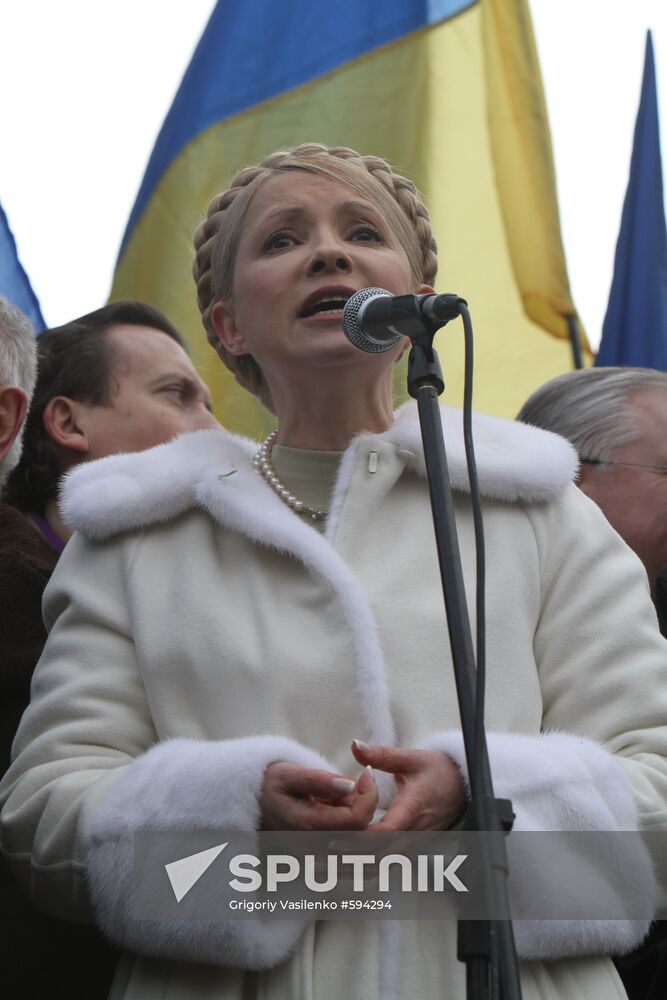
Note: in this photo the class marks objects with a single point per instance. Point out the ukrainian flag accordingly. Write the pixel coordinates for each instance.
(14, 282)
(448, 91)
(635, 326)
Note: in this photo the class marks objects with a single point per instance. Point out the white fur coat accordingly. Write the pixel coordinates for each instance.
(226, 633)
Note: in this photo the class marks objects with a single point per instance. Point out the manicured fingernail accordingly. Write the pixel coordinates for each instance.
(367, 774)
(342, 785)
(361, 746)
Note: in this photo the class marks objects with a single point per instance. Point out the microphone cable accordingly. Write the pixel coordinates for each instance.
(480, 555)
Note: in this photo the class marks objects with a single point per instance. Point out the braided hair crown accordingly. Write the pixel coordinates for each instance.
(216, 238)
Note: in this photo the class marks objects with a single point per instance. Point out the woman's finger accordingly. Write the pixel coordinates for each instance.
(355, 812)
(321, 816)
(400, 815)
(365, 801)
(295, 798)
(392, 759)
(302, 782)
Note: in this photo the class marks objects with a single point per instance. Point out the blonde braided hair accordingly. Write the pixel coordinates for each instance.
(216, 238)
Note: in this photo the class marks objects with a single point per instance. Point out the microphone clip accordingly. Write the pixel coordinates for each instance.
(419, 317)
(434, 312)
(424, 369)
(438, 310)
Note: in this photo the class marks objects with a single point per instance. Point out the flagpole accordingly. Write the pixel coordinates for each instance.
(575, 342)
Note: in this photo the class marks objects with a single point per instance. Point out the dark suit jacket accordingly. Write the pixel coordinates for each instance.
(43, 958)
(644, 971)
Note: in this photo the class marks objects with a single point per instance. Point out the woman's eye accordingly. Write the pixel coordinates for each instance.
(278, 241)
(366, 234)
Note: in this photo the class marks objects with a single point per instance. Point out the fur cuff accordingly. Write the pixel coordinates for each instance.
(561, 782)
(185, 785)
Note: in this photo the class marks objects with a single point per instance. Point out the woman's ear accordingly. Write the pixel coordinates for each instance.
(223, 322)
(426, 290)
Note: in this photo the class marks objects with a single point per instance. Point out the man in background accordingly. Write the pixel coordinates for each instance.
(26, 560)
(616, 418)
(18, 369)
(116, 380)
(42, 957)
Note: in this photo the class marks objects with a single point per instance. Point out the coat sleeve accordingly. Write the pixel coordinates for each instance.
(599, 763)
(602, 662)
(88, 772)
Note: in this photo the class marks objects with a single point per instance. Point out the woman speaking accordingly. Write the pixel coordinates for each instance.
(249, 638)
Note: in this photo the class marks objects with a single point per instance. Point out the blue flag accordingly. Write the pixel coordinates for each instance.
(635, 327)
(14, 282)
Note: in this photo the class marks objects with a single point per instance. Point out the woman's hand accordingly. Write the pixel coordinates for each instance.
(300, 798)
(431, 794)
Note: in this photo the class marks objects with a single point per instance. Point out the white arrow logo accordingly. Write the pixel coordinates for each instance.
(186, 871)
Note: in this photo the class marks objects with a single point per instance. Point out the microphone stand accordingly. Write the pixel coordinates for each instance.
(486, 946)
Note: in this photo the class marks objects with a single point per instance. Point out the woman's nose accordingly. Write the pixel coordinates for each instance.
(329, 255)
(326, 263)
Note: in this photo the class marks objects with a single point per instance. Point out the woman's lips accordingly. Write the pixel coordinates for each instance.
(328, 293)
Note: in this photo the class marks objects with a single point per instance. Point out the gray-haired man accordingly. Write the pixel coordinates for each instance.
(26, 561)
(616, 418)
(18, 370)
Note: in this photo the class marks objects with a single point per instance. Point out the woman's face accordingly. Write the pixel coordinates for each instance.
(308, 243)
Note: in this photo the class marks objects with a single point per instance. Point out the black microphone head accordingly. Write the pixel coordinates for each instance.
(352, 316)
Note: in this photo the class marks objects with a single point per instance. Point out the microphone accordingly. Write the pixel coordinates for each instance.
(374, 320)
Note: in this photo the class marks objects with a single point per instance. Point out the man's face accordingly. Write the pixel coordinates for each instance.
(634, 498)
(155, 394)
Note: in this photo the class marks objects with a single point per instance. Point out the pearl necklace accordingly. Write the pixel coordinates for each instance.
(263, 465)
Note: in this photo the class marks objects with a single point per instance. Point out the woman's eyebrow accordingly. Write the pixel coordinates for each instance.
(362, 207)
(284, 212)
(348, 206)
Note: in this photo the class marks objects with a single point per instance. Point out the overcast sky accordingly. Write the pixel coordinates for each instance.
(84, 88)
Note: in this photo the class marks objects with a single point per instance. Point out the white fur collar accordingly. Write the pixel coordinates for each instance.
(516, 463)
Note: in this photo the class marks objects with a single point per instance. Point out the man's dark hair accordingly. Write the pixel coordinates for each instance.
(74, 360)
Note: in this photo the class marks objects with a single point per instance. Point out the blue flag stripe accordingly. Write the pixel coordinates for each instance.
(252, 52)
(635, 326)
(14, 282)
